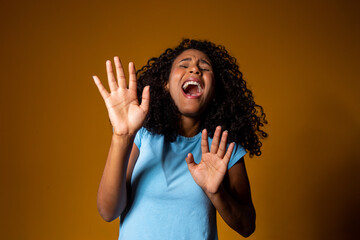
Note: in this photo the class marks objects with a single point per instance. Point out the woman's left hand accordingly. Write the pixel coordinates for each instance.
(210, 172)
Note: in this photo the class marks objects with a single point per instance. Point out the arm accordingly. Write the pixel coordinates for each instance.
(126, 116)
(233, 200)
(228, 190)
(112, 194)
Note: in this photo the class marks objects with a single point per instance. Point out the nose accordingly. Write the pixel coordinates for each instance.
(194, 69)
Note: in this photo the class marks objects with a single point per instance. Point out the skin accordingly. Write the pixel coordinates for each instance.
(194, 65)
(228, 190)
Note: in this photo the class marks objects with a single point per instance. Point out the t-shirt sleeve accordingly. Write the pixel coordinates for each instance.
(138, 137)
(236, 155)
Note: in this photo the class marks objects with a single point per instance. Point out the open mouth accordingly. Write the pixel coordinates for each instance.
(192, 88)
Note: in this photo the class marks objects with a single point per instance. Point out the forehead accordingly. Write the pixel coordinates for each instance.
(192, 53)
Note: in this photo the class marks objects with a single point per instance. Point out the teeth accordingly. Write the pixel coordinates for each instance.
(193, 83)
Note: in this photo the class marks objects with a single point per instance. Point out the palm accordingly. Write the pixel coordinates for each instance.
(125, 113)
(210, 172)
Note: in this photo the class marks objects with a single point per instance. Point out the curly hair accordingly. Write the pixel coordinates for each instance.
(232, 107)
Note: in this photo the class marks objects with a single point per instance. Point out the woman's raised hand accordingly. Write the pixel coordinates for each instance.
(210, 172)
(125, 113)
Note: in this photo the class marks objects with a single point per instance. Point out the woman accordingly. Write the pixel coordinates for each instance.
(160, 176)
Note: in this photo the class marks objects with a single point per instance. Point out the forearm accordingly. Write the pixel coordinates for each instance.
(111, 199)
(239, 216)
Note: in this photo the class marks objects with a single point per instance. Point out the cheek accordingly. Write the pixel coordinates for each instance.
(174, 81)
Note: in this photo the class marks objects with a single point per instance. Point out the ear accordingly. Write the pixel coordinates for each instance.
(166, 86)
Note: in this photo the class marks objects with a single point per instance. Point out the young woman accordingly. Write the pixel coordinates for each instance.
(179, 136)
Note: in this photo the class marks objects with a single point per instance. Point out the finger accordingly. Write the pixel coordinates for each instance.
(145, 99)
(132, 77)
(228, 153)
(204, 142)
(216, 139)
(104, 93)
(120, 73)
(222, 146)
(190, 161)
(110, 74)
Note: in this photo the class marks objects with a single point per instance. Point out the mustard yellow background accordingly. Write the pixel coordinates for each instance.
(301, 59)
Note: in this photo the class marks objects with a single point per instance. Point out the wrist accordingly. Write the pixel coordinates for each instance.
(215, 195)
(124, 132)
(123, 138)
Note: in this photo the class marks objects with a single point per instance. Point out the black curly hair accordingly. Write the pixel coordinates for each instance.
(232, 106)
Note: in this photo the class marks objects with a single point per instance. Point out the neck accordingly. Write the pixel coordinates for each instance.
(189, 126)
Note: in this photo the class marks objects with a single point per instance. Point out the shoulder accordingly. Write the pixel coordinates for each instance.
(237, 155)
(144, 138)
(139, 136)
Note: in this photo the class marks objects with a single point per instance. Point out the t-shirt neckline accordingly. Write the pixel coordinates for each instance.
(189, 139)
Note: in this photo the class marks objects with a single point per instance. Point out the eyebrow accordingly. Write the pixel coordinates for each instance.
(189, 59)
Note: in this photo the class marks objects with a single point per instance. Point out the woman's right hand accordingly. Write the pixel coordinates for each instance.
(125, 113)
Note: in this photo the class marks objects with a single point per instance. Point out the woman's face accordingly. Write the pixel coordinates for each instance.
(191, 82)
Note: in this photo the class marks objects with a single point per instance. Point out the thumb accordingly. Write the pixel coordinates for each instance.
(145, 99)
(190, 161)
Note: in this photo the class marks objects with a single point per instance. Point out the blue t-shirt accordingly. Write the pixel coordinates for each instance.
(165, 202)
